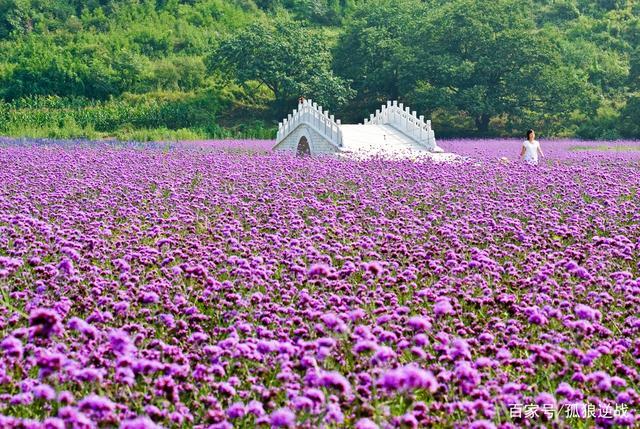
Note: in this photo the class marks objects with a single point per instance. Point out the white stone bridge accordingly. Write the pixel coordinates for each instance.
(393, 132)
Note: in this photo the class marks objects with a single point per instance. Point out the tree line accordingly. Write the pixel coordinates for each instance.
(567, 67)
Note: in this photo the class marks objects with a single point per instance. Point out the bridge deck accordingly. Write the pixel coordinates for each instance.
(385, 141)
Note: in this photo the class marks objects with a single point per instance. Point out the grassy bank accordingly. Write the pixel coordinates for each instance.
(157, 116)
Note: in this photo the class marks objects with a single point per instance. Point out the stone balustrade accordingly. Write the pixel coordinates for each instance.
(407, 122)
(312, 115)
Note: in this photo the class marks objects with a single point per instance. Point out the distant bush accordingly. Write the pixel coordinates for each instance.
(158, 134)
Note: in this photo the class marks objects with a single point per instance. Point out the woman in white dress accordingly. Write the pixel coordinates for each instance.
(531, 148)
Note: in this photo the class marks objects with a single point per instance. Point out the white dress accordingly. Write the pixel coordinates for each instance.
(531, 151)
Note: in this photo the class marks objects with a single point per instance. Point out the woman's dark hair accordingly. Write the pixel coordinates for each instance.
(529, 131)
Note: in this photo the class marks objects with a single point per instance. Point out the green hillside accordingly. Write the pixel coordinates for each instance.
(169, 69)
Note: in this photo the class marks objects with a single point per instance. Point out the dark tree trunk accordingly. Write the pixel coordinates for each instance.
(394, 91)
(482, 122)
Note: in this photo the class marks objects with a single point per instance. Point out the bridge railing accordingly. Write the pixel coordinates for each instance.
(407, 122)
(312, 115)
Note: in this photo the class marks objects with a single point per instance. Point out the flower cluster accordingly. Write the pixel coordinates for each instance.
(194, 287)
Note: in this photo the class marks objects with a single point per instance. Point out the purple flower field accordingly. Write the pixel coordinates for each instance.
(176, 288)
(555, 149)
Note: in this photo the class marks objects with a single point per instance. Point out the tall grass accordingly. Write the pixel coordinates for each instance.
(134, 117)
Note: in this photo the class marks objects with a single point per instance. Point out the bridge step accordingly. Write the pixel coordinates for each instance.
(383, 140)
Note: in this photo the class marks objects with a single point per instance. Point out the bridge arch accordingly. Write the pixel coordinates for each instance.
(304, 148)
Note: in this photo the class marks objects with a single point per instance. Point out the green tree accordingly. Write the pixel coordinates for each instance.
(634, 70)
(374, 52)
(192, 72)
(559, 12)
(285, 56)
(630, 116)
(41, 68)
(15, 17)
(488, 59)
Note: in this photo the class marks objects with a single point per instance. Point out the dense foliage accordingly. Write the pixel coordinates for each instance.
(567, 67)
(287, 59)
